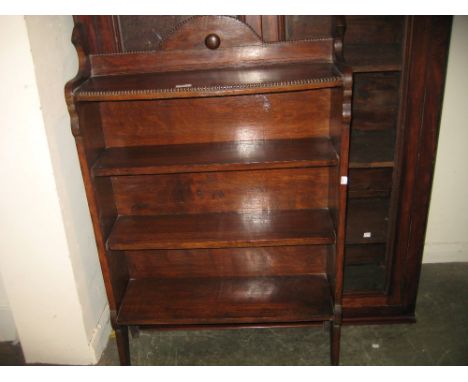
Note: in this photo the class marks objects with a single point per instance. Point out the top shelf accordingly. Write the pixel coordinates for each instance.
(206, 83)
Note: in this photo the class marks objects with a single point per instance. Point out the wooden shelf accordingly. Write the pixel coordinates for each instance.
(224, 156)
(361, 254)
(222, 230)
(367, 216)
(372, 148)
(373, 58)
(226, 300)
(364, 278)
(370, 183)
(207, 83)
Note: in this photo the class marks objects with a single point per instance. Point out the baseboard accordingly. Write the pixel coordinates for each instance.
(445, 252)
(7, 325)
(101, 334)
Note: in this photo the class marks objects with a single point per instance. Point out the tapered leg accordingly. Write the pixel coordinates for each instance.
(123, 345)
(335, 334)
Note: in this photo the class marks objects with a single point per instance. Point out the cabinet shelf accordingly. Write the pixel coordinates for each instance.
(373, 57)
(237, 300)
(367, 216)
(367, 278)
(372, 148)
(222, 230)
(222, 156)
(208, 83)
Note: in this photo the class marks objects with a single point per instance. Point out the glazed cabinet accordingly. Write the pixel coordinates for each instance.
(398, 65)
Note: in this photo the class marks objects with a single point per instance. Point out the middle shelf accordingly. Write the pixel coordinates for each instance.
(219, 156)
(221, 230)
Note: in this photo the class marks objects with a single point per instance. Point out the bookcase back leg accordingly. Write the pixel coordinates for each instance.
(123, 345)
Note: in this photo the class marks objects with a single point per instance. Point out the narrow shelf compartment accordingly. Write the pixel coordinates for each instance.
(222, 230)
(207, 83)
(223, 156)
(236, 300)
(373, 57)
(367, 221)
(364, 278)
(372, 148)
(365, 254)
(370, 183)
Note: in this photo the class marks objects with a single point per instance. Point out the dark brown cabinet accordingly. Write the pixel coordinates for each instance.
(258, 170)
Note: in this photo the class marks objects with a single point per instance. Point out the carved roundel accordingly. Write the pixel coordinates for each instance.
(210, 32)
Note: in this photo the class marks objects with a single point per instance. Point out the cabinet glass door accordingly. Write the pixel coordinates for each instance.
(373, 48)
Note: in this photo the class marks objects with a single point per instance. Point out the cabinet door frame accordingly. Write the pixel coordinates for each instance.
(423, 76)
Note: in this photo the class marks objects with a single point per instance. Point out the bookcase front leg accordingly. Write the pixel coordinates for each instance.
(123, 345)
(335, 334)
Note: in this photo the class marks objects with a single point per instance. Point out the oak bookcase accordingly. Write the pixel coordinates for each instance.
(227, 182)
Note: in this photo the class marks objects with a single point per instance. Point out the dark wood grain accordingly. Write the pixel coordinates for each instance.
(370, 182)
(222, 230)
(218, 119)
(372, 149)
(375, 101)
(226, 300)
(367, 58)
(228, 262)
(427, 63)
(373, 30)
(222, 156)
(233, 191)
(367, 216)
(208, 83)
(358, 254)
(312, 51)
(298, 27)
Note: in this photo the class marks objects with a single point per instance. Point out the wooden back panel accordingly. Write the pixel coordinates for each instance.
(319, 50)
(237, 191)
(217, 119)
(228, 262)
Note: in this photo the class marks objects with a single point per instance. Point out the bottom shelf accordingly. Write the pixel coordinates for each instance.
(234, 300)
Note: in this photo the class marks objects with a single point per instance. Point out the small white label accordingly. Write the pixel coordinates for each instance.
(184, 86)
(367, 234)
(344, 180)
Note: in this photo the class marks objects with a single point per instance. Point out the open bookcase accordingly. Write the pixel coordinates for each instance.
(216, 174)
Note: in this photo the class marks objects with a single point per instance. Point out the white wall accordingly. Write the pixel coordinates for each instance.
(447, 231)
(7, 323)
(50, 43)
(47, 252)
